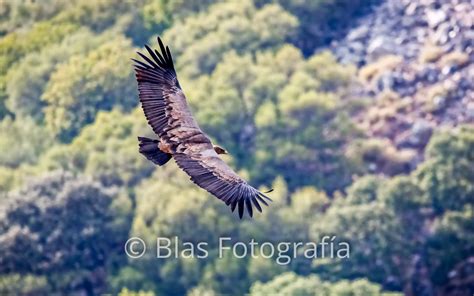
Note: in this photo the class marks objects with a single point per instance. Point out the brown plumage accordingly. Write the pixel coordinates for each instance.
(180, 137)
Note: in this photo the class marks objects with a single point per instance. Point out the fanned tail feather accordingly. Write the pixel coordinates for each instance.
(149, 148)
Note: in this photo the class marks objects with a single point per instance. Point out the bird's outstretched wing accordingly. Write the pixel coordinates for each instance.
(169, 115)
(163, 101)
(210, 172)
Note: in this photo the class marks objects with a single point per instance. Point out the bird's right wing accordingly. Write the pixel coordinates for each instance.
(162, 98)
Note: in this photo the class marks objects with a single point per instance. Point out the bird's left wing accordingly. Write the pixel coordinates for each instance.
(209, 171)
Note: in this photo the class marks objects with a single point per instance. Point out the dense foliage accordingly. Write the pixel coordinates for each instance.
(73, 187)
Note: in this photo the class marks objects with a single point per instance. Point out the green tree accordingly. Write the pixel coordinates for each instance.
(447, 176)
(22, 142)
(16, 284)
(68, 228)
(230, 25)
(410, 232)
(88, 83)
(27, 81)
(17, 44)
(292, 284)
(161, 14)
(449, 252)
(20, 14)
(106, 150)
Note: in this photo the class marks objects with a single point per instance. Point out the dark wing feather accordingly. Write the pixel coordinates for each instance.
(158, 87)
(212, 173)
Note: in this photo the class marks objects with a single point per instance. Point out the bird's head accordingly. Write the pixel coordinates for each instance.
(220, 150)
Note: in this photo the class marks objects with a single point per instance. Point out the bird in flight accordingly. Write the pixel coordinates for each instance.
(179, 135)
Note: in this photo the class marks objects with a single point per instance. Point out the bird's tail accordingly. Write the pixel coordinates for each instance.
(149, 148)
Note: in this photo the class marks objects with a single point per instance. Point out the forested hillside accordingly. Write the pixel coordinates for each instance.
(359, 114)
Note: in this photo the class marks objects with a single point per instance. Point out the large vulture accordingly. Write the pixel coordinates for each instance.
(180, 137)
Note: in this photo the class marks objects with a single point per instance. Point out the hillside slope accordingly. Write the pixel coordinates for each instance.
(415, 62)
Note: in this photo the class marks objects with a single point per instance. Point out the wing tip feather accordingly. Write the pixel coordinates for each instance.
(158, 60)
(250, 197)
(240, 196)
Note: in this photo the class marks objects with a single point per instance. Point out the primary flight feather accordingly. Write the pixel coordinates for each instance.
(180, 137)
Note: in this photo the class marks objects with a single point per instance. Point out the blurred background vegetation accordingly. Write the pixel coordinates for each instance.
(369, 142)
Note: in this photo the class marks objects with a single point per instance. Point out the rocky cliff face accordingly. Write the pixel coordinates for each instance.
(415, 61)
(403, 27)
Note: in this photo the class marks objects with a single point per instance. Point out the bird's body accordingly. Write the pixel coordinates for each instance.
(180, 136)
